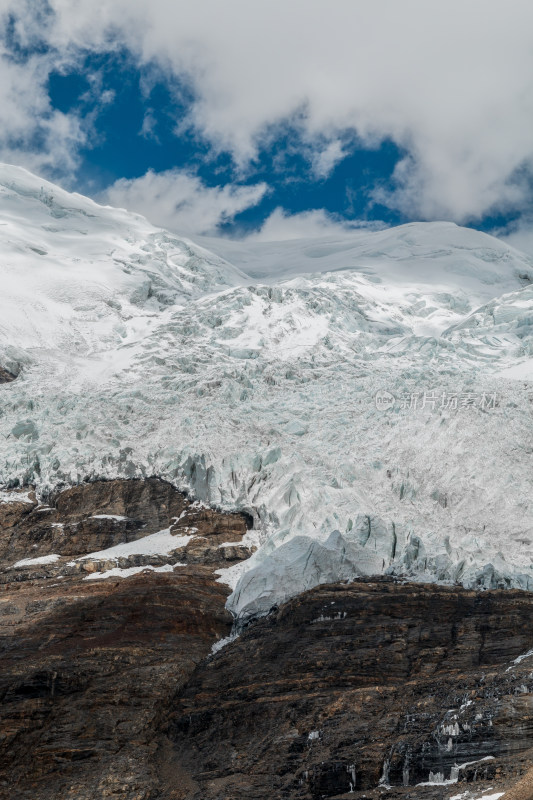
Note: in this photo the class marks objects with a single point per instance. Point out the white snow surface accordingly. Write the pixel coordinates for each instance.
(249, 378)
(160, 543)
(127, 572)
(33, 562)
(15, 497)
(495, 796)
(470, 796)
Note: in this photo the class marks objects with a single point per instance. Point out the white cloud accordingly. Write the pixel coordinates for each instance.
(33, 134)
(325, 160)
(452, 82)
(520, 235)
(149, 125)
(281, 225)
(180, 201)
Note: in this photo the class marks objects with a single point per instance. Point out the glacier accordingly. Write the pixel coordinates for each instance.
(367, 398)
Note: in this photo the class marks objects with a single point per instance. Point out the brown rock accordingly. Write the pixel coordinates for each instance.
(88, 668)
(95, 516)
(108, 688)
(352, 684)
(14, 512)
(6, 376)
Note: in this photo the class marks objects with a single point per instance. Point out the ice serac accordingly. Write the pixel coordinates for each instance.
(302, 563)
(313, 384)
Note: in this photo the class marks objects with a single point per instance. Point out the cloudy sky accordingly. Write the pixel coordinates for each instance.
(277, 118)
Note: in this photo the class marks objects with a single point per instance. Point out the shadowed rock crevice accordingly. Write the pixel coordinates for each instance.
(6, 376)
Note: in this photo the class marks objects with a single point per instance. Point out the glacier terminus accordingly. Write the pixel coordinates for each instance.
(366, 398)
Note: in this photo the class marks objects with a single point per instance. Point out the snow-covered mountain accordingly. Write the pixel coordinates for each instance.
(367, 398)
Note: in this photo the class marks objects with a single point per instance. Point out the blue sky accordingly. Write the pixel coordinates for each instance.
(136, 131)
(275, 120)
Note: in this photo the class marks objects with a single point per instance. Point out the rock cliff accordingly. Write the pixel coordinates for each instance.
(88, 667)
(349, 687)
(110, 604)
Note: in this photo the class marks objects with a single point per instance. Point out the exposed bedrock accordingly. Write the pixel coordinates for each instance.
(99, 515)
(6, 376)
(109, 690)
(89, 667)
(350, 686)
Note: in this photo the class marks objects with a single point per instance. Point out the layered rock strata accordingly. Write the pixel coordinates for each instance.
(93, 649)
(375, 686)
(111, 602)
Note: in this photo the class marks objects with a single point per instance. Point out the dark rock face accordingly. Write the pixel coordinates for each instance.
(6, 376)
(95, 516)
(88, 668)
(108, 687)
(348, 686)
(86, 675)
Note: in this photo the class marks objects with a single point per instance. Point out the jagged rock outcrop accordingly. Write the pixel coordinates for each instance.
(95, 516)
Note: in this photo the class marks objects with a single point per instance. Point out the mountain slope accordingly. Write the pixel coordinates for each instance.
(253, 384)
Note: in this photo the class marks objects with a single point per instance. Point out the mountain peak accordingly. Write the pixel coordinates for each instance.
(353, 394)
